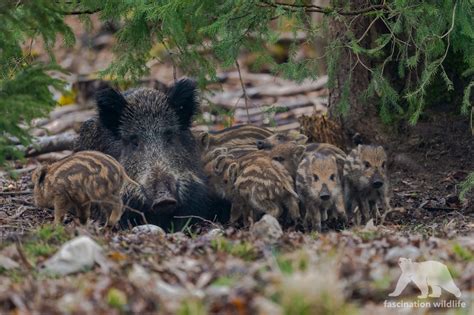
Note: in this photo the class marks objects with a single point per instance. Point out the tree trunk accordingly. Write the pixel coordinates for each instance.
(362, 116)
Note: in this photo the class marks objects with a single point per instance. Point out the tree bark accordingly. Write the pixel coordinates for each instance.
(362, 116)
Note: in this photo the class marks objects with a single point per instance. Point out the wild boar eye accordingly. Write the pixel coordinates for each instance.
(383, 164)
(332, 177)
(367, 164)
(279, 138)
(278, 158)
(134, 140)
(168, 135)
(315, 177)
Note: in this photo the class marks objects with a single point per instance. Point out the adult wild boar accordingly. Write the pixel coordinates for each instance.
(148, 132)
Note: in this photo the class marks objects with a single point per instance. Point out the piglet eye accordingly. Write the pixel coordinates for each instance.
(367, 164)
(278, 158)
(332, 177)
(315, 177)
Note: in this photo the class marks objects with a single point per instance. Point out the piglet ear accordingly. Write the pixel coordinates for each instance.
(110, 104)
(299, 152)
(233, 172)
(204, 140)
(39, 175)
(183, 99)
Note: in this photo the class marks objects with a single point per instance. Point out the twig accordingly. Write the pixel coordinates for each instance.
(138, 212)
(21, 253)
(22, 201)
(172, 60)
(196, 217)
(125, 206)
(21, 209)
(318, 9)
(368, 29)
(452, 22)
(384, 216)
(15, 193)
(244, 91)
(360, 61)
(81, 12)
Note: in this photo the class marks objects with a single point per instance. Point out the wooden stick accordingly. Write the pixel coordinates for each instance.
(16, 193)
(244, 91)
(21, 253)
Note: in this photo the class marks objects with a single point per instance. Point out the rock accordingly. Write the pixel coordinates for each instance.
(408, 251)
(370, 226)
(169, 291)
(138, 275)
(267, 229)
(214, 233)
(264, 306)
(149, 229)
(8, 263)
(76, 255)
(172, 296)
(178, 237)
(217, 292)
(75, 302)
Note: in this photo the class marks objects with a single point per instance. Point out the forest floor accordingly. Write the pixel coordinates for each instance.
(222, 270)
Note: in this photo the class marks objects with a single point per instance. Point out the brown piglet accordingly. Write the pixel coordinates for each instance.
(318, 184)
(79, 180)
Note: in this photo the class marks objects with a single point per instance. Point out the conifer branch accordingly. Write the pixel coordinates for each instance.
(244, 91)
(325, 10)
(81, 12)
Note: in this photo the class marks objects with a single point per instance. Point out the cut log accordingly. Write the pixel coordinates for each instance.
(53, 156)
(68, 121)
(41, 145)
(304, 87)
(254, 78)
(57, 113)
(229, 99)
(290, 126)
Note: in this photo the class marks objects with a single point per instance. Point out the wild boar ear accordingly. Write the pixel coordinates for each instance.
(183, 99)
(110, 104)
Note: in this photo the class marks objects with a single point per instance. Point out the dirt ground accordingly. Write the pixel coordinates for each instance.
(221, 270)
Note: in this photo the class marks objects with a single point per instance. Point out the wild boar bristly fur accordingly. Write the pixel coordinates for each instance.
(149, 131)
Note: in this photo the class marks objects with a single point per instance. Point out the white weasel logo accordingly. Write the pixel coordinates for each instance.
(425, 274)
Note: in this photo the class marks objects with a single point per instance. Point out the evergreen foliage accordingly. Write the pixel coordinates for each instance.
(413, 39)
(25, 84)
(467, 185)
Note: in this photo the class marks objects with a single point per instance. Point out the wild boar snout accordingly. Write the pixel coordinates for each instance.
(324, 194)
(377, 181)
